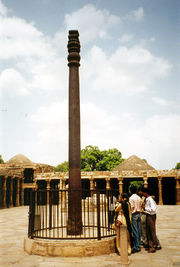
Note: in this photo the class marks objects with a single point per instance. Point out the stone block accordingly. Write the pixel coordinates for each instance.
(28, 244)
(73, 251)
(55, 251)
(39, 249)
(89, 251)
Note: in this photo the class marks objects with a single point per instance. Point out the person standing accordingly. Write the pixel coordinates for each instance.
(112, 205)
(124, 218)
(143, 220)
(136, 208)
(151, 210)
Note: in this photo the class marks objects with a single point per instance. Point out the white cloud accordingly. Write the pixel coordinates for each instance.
(92, 23)
(49, 75)
(157, 139)
(131, 70)
(12, 83)
(161, 101)
(33, 55)
(136, 15)
(51, 123)
(3, 9)
(22, 39)
(125, 38)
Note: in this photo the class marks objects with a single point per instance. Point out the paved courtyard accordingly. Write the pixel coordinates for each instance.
(13, 229)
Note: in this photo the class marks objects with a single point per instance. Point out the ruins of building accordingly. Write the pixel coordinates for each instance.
(19, 176)
(17, 179)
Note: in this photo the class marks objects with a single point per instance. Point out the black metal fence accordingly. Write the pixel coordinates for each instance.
(48, 214)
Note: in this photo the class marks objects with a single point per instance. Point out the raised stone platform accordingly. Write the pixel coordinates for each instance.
(14, 225)
(69, 248)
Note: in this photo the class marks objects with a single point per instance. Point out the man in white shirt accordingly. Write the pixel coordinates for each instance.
(151, 210)
(136, 208)
(112, 204)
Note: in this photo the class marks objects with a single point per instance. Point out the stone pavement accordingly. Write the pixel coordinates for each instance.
(13, 229)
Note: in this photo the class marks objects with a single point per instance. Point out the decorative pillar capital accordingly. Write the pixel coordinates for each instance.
(91, 178)
(120, 179)
(48, 184)
(107, 183)
(73, 48)
(145, 179)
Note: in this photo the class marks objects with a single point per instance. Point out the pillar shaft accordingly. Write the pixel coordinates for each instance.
(92, 186)
(48, 189)
(11, 192)
(178, 191)
(22, 191)
(17, 193)
(160, 190)
(74, 196)
(4, 192)
(120, 179)
(108, 184)
(145, 180)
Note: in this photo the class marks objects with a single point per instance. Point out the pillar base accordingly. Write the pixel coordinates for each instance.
(69, 248)
(74, 227)
(177, 196)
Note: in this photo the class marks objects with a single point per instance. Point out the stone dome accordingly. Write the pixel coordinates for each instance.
(134, 163)
(20, 159)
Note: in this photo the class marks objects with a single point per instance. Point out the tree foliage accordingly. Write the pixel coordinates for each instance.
(137, 184)
(92, 158)
(63, 167)
(1, 159)
(177, 165)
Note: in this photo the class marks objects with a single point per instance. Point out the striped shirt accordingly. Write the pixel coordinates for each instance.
(135, 203)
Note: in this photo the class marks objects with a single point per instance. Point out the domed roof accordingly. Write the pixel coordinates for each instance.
(134, 163)
(19, 159)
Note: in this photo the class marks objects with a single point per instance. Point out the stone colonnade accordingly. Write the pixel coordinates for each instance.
(94, 178)
(12, 186)
(13, 193)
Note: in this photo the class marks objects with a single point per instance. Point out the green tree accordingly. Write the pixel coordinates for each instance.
(177, 165)
(1, 159)
(94, 159)
(63, 167)
(138, 184)
(90, 156)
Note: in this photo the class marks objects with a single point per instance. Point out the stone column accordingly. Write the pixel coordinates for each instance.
(120, 179)
(108, 183)
(74, 197)
(22, 191)
(11, 192)
(4, 191)
(48, 188)
(92, 187)
(17, 193)
(92, 183)
(178, 191)
(160, 190)
(145, 179)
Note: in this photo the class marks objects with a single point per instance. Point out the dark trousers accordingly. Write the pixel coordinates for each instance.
(111, 216)
(151, 230)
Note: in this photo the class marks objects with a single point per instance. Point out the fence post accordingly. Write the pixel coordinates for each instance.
(50, 209)
(108, 208)
(98, 216)
(123, 245)
(31, 214)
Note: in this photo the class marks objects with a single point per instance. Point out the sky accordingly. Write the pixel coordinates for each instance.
(129, 78)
